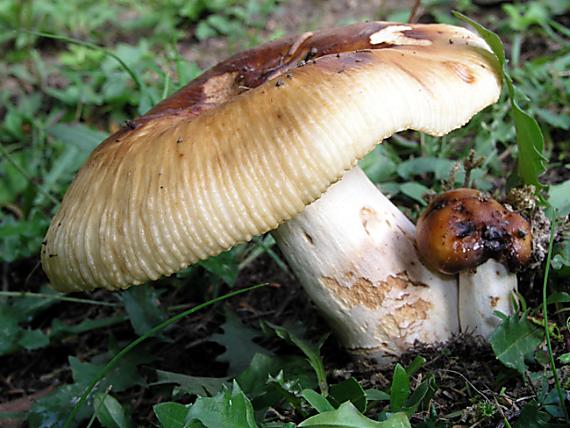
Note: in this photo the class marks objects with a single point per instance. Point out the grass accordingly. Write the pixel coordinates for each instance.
(263, 359)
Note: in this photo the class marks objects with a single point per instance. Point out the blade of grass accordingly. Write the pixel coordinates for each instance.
(545, 315)
(107, 52)
(156, 329)
(55, 297)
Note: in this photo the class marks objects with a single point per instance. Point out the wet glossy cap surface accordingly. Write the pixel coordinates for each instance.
(463, 228)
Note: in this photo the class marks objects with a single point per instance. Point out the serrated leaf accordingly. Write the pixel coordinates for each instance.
(170, 415)
(514, 340)
(124, 375)
(253, 380)
(238, 341)
(400, 388)
(349, 390)
(109, 412)
(311, 351)
(492, 39)
(530, 141)
(348, 416)
(317, 401)
(532, 417)
(228, 409)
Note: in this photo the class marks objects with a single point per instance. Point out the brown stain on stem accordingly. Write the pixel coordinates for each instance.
(362, 291)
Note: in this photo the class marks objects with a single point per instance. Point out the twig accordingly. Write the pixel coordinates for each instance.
(467, 381)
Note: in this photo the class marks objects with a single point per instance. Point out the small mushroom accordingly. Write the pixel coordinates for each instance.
(466, 232)
(248, 145)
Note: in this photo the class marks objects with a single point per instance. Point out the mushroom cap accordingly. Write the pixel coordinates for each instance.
(251, 142)
(463, 228)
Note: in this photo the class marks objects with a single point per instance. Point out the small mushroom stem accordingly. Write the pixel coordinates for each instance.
(353, 251)
(482, 291)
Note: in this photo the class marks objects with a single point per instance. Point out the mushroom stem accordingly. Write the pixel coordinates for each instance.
(354, 253)
(486, 289)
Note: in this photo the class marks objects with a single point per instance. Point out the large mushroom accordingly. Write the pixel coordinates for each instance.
(249, 144)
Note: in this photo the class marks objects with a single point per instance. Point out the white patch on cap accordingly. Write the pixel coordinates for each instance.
(394, 36)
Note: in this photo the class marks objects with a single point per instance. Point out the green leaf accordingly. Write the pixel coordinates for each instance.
(191, 384)
(415, 191)
(530, 141)
(51, 411)
(348, 416)
(238, 341)
(532, 417)
(514, 340)
(59, 328)
(143, 307)
(122, 377)
(559, 197)
(125, 354)
(109, 412)
(317, 401)
(77, 135)
(228, 409)
(425, 389)
(349, 390)
(559, 297)
(561, 259)
(171, 415)
(10, 331)
(414, 167)
(417, 364)
(253, 380)
(33, 339)
(490, 37)
(377, 395)
(400, 388)
(224, 266)
(311, 351)
(279, 389)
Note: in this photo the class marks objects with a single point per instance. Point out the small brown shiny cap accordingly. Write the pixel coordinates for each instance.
(247, 145)
(463, 228)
